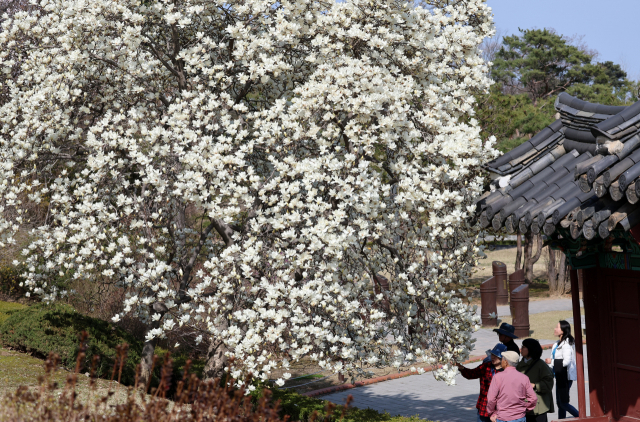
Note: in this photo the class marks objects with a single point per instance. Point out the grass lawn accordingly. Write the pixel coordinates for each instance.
(22, 369)
(18, 369)
(8, 307)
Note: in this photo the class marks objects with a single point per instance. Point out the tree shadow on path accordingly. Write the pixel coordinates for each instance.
(453, 409)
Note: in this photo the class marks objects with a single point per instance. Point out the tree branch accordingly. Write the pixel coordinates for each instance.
(536, 257)
(394, 179)
(243, 92)
(223, 229)
(192, 261)
(159, 57)
(394, 252)
(176, 42)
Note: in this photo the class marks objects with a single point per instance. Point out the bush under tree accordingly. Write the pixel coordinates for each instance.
(44, 329)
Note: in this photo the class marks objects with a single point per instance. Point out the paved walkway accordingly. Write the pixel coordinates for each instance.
(539, 306)
(486, 338)
(422, 395)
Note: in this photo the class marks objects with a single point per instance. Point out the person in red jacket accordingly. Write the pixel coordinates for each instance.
(485, 372)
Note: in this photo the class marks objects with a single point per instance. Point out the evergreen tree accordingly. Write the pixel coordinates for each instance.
(529, 70)
(541, 63)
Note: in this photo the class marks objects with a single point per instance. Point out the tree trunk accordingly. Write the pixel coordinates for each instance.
(563, 275)
(528, 250)
(146, 360)
(558, 272)
(146, 363)
(552, 271)
(216, 360)
(518, 252)
(539, 242)
(529, 257)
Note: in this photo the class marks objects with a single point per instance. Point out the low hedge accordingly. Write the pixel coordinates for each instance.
(300, 408)
(7, 308)
(41, 329)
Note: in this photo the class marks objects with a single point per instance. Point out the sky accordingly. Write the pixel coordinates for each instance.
(610, 27)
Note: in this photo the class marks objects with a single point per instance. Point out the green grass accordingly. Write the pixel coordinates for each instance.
(20, 369)
(7, 308)
(10, 306)
(43, 329)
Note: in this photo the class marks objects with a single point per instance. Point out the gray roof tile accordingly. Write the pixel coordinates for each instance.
(550, 171)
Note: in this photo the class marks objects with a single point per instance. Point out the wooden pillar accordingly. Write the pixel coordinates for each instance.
(488, 302)
(593, 302)
(515, 280)
(577, 328)
(520, 308)
(500, 273)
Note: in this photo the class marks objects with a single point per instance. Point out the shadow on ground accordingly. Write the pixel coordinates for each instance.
(454, 409)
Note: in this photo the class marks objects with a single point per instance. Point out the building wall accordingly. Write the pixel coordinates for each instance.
(612, 316)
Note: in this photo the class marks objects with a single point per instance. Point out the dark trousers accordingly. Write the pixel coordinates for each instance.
(537, 418)
(564, 407)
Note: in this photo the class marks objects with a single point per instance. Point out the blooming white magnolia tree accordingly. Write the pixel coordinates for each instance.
(250, 167)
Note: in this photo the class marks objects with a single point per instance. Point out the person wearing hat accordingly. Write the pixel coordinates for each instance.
(485, 372)
(541, 378)
(510, 395)
(506, 336)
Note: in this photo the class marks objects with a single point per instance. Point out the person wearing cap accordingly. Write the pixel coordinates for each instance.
(510, 394)
(485, 372)
(506, 336)
(541, 378)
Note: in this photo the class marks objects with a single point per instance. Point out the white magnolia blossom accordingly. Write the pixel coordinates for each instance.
(247, 168)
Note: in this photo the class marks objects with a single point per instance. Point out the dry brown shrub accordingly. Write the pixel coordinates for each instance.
(194, 400)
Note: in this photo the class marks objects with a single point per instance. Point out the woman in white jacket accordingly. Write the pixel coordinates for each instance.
(563, 363)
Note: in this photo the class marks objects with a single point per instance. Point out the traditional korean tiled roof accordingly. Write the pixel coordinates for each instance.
(578, 177)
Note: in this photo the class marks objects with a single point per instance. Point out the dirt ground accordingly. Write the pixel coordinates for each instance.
(539, 289)
(508, 256)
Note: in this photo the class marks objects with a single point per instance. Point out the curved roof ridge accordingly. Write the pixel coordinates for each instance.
(623, 123)
(578, 179)
(586, 106)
